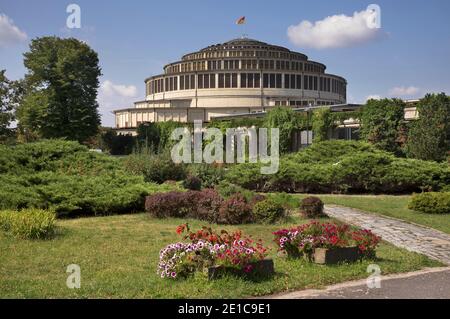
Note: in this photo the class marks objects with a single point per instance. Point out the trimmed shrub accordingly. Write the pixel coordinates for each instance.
(268, 211)
(67, 178)
(235, 210)
(210, 174)
(28, 224)
(431, 203)
(227, 190)
(203, 205)
(312, 207)
(360, 169)
(156, 168)
(192, 183)
(170, 204)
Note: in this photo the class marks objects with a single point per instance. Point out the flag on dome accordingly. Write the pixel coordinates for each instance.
(241, 20)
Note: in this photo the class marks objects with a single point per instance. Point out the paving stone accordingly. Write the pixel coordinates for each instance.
(430, 242)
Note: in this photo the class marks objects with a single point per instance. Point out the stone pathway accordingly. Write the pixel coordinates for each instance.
(429, 242)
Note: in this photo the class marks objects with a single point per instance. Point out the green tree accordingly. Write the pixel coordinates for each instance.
(10, 96)
(284, 119)
(429, 136)
(61, 90)
(6, 108)
(382, 122)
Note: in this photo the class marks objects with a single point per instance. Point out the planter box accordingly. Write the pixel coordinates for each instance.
(262, 268)
(335, 255)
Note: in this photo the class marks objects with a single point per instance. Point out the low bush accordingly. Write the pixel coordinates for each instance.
(170, 204)
(156, 168)
(210, 174)
(227, 190)
(69, 179)
(268, 211)
(192, 183)
(312, 207)
(28, 224)
(235, 210)
(431, 203)
(343, 167)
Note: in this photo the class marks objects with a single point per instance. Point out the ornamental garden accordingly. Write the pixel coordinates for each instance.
(139, 225)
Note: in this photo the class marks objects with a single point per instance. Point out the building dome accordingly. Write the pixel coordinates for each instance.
(239, 76)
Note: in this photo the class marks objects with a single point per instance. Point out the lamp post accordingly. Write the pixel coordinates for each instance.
(308, 120)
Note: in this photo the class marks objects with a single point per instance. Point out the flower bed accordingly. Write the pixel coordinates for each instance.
(214, 252)
(305, 240)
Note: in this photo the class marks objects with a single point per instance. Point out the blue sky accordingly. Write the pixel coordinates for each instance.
(408, 56)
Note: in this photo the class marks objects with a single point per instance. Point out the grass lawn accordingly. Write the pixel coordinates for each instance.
(118, 257)
(393, 206)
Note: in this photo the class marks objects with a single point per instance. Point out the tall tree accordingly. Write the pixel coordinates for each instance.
(62, 84)
(382, 122)
(5, 105)
(10, 95)
(429, 136)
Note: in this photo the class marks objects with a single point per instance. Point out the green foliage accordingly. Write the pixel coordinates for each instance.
(6, 107)
(268, 211)
(192, 183)
(157, 136)
(431, 203)
(322, 122)
(109, 141)
(28, 224)
(210, 174)
(227, 190)
(156, 168)
(286, 120)
(223, 125)
(345, 167)
(381, 123)
(61, 90)
(312, 207)
(429, 136)
(65, 177)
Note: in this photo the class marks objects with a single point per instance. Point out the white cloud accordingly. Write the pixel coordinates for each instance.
(401, 91)
(334, 31)
(10, 34)
(373, 97)
(114, 96)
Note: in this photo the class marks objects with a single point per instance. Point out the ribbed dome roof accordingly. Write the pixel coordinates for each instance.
(243, 43)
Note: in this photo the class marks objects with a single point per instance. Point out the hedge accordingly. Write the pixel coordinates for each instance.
(343, 167)
(431, 203)
(66, 177)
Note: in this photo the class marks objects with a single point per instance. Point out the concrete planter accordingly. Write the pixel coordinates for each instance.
(335, 255)
(263, 268)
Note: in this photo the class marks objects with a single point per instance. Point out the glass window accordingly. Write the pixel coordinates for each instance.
(192, 81)
(234, 81)
(227, 80)
(221, 80)
(278, 81)
(272, 80)
(243, 80)
(212, 81)
(257, 80)
(250, 80)
(287, 79)
(265, 80)
(200, 81)
(292, 81)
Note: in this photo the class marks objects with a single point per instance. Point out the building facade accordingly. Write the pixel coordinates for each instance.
(239, 76)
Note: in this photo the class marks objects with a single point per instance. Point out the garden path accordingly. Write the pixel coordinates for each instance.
(427, 241)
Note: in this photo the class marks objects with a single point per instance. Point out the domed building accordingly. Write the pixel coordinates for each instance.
(236, 77)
